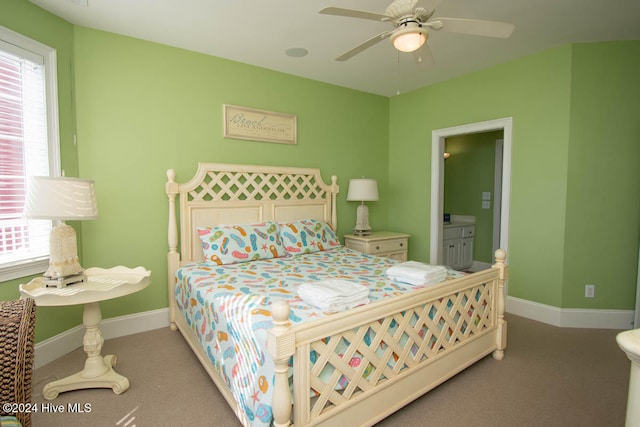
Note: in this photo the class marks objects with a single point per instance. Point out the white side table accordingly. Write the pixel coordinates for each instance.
(629, 342)
(102, 284)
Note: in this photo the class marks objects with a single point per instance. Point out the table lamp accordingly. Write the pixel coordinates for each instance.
(362, 190)
(60, 199)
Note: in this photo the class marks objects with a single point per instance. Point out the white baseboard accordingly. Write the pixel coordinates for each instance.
(61, 344)
(571, 317)
(69, 340)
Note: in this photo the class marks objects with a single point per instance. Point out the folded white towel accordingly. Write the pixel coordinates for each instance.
(334, 295)
(412, 281)
(417, 273)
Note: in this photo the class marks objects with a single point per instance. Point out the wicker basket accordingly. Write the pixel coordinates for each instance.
(17, 327)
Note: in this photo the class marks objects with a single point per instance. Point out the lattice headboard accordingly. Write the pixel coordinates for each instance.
(237, 194)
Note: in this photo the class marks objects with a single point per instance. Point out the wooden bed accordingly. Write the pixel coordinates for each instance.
(428, 335)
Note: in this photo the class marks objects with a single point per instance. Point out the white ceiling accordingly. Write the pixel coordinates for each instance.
(259, 31)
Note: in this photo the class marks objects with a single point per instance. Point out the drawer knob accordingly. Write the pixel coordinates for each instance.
(401, 244)
(377, 247)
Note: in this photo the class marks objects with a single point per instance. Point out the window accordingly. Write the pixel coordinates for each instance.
(29, 145)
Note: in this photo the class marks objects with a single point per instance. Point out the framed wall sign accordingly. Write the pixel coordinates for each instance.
(259, 125)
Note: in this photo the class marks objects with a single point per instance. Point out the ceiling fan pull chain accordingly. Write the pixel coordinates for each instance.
(398, 74)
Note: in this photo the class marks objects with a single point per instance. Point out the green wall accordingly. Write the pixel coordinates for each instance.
(468, 172)
(535, 92)
(143, 108)
(603, 198)
(566, 103)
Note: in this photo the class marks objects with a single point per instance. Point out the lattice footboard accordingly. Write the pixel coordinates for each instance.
(345, 361)
(350, 368)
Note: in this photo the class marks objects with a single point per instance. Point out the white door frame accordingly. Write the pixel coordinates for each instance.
(437, 179)
(497, 197)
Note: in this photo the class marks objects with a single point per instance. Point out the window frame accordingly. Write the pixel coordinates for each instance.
(30, 267)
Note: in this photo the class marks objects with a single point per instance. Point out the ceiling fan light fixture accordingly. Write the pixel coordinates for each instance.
(409, 39)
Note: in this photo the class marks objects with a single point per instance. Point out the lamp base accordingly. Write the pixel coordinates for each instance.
(362, 227)
(63, 282)
(64, 268)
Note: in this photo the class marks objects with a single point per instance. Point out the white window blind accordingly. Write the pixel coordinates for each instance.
(24, 151)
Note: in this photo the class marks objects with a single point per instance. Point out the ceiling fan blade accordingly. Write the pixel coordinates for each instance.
(473, 26)
(363, 46)
(352, 13)
(423, 56)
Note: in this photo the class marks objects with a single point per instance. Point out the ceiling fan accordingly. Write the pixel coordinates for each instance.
(412, 22)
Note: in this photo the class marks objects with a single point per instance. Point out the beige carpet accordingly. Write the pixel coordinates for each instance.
(549, 377)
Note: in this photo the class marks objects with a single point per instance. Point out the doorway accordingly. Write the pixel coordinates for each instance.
(437, 179)
(472, 192)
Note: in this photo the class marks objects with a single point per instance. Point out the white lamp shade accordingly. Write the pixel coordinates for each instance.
(363, 190)
(409, 39)
(61, 198)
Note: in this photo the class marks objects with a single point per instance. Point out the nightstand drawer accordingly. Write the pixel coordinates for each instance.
(356, 246)
(380, 243)
(399, 256)
(396, 245)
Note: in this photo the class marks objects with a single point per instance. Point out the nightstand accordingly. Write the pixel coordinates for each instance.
(381, 243)
(101, 285)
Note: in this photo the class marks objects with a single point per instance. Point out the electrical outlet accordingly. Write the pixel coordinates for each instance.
(589, 291)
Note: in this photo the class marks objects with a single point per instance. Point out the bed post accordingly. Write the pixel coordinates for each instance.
(501, 335)
(335, 189)
(173, 257)
(281, 346)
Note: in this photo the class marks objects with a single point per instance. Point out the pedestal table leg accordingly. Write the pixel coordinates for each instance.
(98, 370)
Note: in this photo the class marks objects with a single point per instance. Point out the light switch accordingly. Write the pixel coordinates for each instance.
(486, 204)
(486, 195)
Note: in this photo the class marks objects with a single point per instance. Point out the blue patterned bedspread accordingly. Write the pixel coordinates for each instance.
(229, 309)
